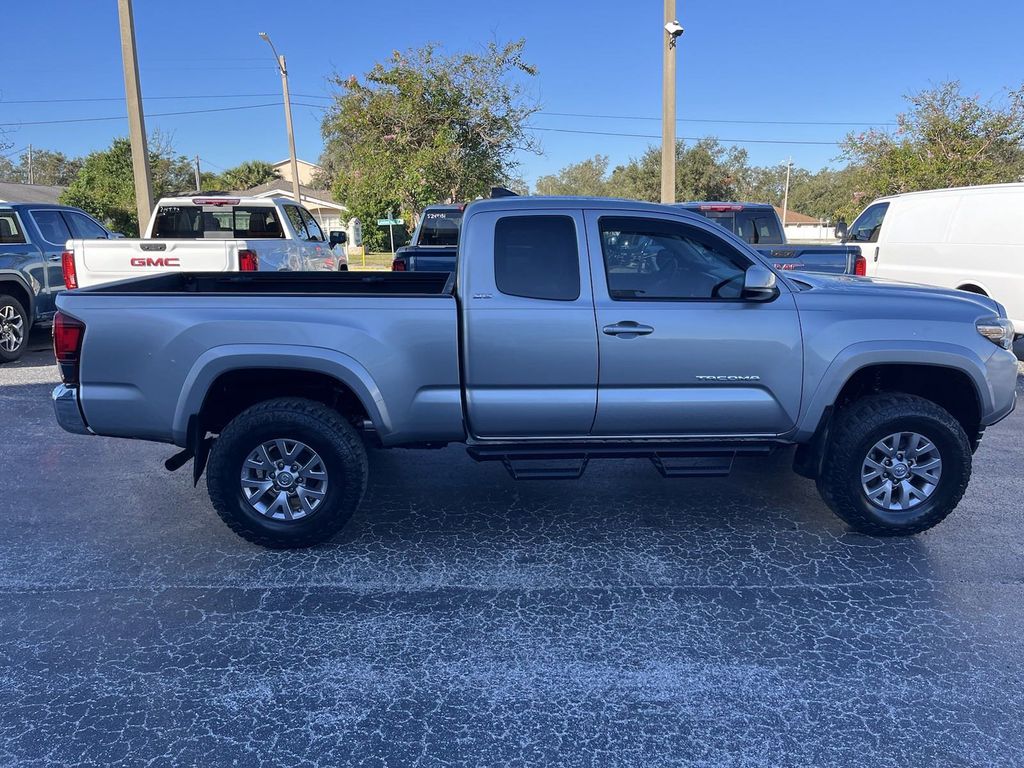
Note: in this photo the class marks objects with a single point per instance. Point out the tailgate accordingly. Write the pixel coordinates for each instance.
(105, 261)
(826, 259)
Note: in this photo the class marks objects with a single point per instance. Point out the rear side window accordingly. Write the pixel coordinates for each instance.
(83, 227)
(537, 257)
(52, 227)
(316, 235)
(10, 229)
(187, 222)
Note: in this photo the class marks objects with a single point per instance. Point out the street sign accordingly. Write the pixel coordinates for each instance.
(389, 222)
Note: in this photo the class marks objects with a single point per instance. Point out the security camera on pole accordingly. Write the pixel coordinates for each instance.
(673, 30)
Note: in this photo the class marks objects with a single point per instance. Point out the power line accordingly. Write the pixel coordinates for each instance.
(151, 114)
(157, 98)
(687, 138)
(714, 120)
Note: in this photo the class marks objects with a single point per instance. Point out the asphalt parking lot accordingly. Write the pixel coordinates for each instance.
(465, 619)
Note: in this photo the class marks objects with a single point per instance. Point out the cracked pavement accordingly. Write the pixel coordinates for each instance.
(466, 619)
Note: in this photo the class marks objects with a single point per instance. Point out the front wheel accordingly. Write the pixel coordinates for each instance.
(14, 326)
(894, 465)
(287, 473)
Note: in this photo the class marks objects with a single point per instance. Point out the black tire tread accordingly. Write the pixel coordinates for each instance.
(854, 421)
(319, 416)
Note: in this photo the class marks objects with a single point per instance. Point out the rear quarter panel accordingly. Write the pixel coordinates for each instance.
(147, 361)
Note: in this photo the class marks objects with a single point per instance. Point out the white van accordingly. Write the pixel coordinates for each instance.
(971, 238)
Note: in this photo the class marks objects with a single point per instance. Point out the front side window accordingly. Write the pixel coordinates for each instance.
(52, 227)
(292, 212)
(316, 234)
(654, 259)
(10, 229)
(83, 227)
(868, 225)
(537, 257)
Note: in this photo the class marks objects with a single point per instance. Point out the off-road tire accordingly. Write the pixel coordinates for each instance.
(322, 429)
(26, 323)
(857, 427)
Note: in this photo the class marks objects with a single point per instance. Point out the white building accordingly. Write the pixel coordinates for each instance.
(802, 228)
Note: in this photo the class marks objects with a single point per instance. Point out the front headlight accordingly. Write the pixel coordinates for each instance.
(998, 330)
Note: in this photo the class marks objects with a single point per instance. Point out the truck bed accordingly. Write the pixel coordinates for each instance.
(418, 284)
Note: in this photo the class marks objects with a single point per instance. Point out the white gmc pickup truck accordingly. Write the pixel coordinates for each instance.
(210, 233)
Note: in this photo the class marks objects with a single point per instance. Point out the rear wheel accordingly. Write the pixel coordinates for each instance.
(287, 473)
(14, 327)
(895, 465)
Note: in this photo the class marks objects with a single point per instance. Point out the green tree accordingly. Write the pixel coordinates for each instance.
(105, 187)
(249, 174)
(48, 167)
(426, 127)
(587, 177)
(705, 170)
(945, 139)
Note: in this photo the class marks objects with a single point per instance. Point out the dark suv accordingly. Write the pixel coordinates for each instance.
(32, 238)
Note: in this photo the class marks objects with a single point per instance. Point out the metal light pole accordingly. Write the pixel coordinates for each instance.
(136, 122)
(279, 58)
(668, 104)
(785, 197)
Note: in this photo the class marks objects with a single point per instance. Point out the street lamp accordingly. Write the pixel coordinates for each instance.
(282, 67)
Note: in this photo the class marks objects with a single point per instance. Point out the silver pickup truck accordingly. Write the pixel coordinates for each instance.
(572, 330)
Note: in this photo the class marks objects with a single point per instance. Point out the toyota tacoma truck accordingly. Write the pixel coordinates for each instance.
(210, 233)
(760, 226)
(554, 345)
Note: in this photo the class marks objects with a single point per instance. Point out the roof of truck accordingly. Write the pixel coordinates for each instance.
(539, 202)
(218, 198)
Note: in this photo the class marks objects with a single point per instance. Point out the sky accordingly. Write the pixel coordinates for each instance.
(751, 73)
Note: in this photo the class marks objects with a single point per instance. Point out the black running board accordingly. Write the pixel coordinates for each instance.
(568, 461)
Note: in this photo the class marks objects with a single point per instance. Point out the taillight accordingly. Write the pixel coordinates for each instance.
(67, 345)
(398, 265)
(67, 263)
(860, 266)
(248, 261)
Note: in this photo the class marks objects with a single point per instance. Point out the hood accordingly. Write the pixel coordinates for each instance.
(889, 289)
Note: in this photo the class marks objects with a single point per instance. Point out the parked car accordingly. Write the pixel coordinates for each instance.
(554, 346)
(32, 238)
(968, 238)
(210, 233)
(434, 242)
(759, 225)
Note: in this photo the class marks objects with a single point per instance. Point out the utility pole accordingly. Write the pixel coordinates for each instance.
(136, 122)
(31, 177)
(199, 176)
(668, 104)
(283, 68)
(785, 197)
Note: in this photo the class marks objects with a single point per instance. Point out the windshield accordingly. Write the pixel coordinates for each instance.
(440, 227)
(188, 222)
(758, 227)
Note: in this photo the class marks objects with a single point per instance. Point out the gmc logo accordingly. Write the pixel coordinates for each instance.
(160, 261)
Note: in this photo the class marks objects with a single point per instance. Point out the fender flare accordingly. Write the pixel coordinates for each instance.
(862, 355)
(232, 357)
(11, 276)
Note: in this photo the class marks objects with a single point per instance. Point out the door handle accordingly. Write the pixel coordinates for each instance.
(53, 258)
(876, 253)
(627, 329)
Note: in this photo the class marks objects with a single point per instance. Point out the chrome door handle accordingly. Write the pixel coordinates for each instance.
(54, 258)
(627, 329)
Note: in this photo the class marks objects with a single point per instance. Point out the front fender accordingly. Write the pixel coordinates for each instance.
(222, 359)
(864, 354)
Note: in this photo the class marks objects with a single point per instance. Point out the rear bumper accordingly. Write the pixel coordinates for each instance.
(65, 408)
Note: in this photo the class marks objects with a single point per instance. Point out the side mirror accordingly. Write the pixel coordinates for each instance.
(842, 231)
(759, 284)
(338, 237)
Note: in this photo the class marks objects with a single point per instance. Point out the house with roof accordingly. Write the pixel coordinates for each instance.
(12, 192)
(802, 228)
